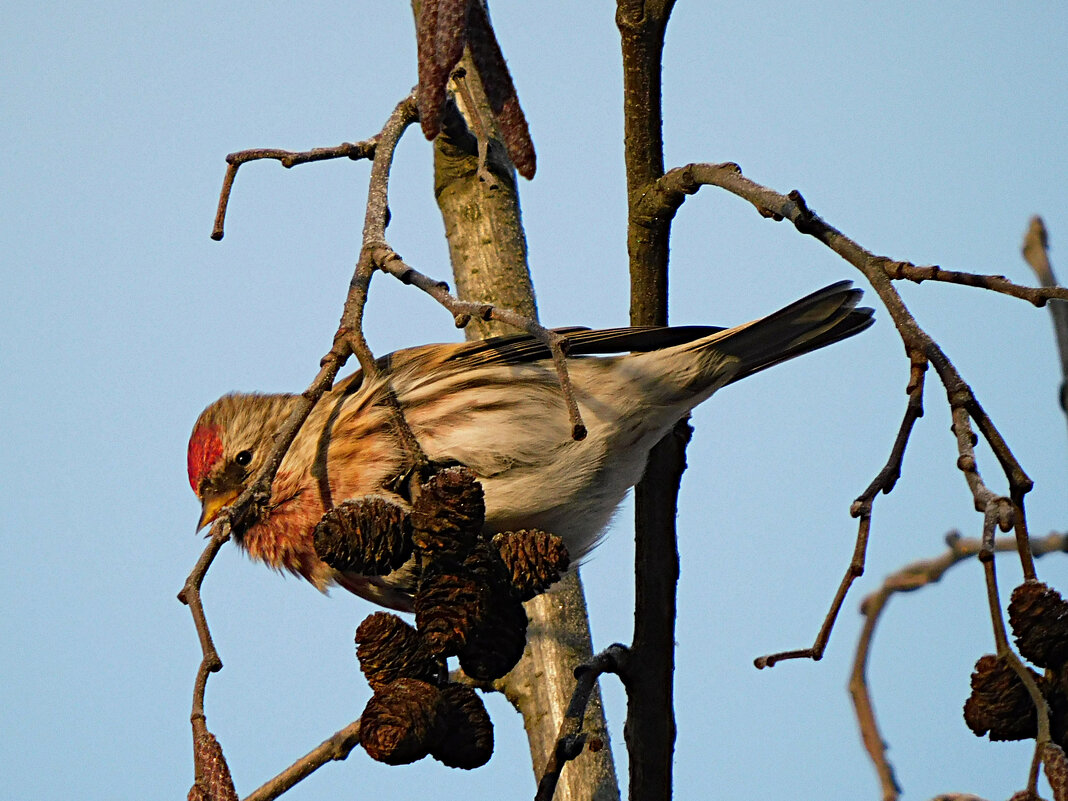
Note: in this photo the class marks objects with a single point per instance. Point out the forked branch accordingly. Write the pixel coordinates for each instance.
(912, 577)
(668, 194)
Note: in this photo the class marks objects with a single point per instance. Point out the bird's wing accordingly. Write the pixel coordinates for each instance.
(514, 349)
(520, 348)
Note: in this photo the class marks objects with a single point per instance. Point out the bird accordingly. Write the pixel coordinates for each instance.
(496, 407)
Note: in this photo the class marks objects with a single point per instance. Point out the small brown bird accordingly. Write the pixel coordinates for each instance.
(494, 406)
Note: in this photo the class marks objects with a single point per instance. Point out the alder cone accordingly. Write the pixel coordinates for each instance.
(399, 722)
(534, 560)
(449, 603)
(449, 512)
(465, 732)
(370, 536)
(999, 703)
(389, 649)
(496, 644)
(1039, 619)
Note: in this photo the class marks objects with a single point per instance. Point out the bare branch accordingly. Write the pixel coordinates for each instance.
(376, 219)
(288, 158)
(386, 259)
(862, 508)
(334, 748)
(664, 198)
(673, 187)
(250, 505)
(913, 577)
(650, 728)
(571, 739)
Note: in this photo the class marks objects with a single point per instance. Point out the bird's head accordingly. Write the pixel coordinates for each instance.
(229, 444)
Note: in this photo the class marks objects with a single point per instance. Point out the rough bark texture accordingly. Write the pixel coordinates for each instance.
(488, 251)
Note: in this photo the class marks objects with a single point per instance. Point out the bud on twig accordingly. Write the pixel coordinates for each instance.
(213, 781)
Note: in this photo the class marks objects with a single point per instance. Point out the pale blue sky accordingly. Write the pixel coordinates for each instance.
(930, 134)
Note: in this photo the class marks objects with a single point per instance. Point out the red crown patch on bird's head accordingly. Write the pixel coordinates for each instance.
(205, 449)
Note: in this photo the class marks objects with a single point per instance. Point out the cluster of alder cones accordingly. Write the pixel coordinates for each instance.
(1000, 705)
(468, 604)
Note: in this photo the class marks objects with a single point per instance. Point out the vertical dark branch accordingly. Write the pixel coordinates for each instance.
(642, 36)
(650, 726)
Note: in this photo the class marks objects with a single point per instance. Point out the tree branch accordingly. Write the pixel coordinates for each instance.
(571, 739)
(884, 482)
(464, 310)
(650, 727)
(287, 158)
(880, 271)
(487, 248)
(250, 505)
(335, 748)
(913, 577)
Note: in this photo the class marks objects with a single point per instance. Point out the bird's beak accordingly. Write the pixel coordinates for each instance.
(211, 507)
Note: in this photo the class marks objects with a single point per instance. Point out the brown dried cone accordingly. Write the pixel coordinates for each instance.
(390, 649)
(399, 722)
(449, 602)
(497, 643)
(1056, 764)
(213, 774)
(999, 703)
(1039, 619)
(500, 91)
(465, 732)
(449, 512)
(534, 560)
(433, 71)
(371, 536)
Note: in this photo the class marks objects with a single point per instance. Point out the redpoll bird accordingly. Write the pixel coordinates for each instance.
(496, 407)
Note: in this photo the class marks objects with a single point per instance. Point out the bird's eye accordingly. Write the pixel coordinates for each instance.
(243, 458)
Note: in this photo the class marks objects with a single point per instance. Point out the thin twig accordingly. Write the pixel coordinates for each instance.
(482, 136)
(251, 503)
(462, 310)
(912, 577)
(376, 219)
(190, 595)
(884, 482)
(673, 187)
(288, 158)
(670, 191)
(334, 748)
(1037, 296)
(571, 739)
